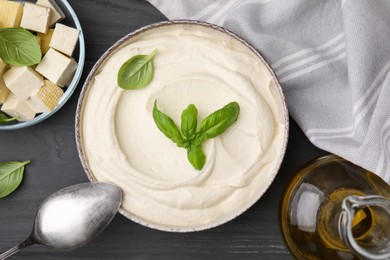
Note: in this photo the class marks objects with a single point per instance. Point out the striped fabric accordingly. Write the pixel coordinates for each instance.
(332, 59)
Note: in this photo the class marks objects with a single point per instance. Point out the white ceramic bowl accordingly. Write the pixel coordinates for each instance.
(79, 55)
(81, 118)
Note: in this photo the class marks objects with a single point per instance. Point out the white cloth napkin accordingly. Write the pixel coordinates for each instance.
(332, 59)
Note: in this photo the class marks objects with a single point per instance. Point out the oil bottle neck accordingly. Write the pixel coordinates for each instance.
(364, 226)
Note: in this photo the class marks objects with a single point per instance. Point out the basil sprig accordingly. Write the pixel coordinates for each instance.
(4, 119)
(19, 47)
(213, 125)
(11, 175)
(137, 72)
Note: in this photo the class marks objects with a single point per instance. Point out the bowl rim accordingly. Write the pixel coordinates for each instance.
(85, 89)
(72, 86)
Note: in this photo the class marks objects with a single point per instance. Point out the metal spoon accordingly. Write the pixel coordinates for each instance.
(73, 216)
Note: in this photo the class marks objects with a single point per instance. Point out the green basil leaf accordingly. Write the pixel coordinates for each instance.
(189, 120)
(217, 122)
(19, 47)
(4, 119)
(167, 126)
(196, 156)
(137, 72)
(11, 175)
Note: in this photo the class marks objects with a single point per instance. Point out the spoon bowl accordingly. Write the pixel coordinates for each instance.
(73, 216)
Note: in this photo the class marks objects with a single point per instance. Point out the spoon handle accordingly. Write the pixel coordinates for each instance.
(28, 242)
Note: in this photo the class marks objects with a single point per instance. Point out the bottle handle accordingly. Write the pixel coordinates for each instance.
(349, 207)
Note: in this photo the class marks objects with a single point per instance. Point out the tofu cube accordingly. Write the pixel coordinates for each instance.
(35, 17)
(4, 91)
(3, 67)
(64, 39)
(57, 67)
(56, 13)
(46, 98)
(44, 40)
(17, 108)
(10, 14)
(22, 81)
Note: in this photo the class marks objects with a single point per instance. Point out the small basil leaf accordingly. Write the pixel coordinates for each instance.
(11, 175)
(220, 120)
(19, 47)
(4, 119)
(137, 72)
(189, 120)
(167, 126)
(196, 156)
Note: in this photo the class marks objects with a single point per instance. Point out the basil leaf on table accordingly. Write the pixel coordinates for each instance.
(4, 119)
(11, 175)
(216, 123)
(189, 120)
(213, 125)
(167, 126)
(19, 47)
(137, 72)
(196, 156)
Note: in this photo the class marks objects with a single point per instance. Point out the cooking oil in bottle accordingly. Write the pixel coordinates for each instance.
(312, 212)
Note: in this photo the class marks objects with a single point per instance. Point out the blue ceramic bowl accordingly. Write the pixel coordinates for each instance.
(79, 55)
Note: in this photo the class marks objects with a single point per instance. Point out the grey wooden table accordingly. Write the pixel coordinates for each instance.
(51, 147)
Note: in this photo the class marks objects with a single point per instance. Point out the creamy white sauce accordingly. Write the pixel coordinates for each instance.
(194, 65)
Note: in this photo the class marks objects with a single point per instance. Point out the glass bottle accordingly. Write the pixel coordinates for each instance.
(333, 209)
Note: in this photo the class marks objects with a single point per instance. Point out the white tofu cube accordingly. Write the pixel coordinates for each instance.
(64, 39)
(4, 91)
(22, 81)
(46, 98)
(17, 108)
(35, 17)
(57, 67)
(34, 106)
(3, 67)
(56, 13)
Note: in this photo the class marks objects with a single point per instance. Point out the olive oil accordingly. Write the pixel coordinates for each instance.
(311, 206)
